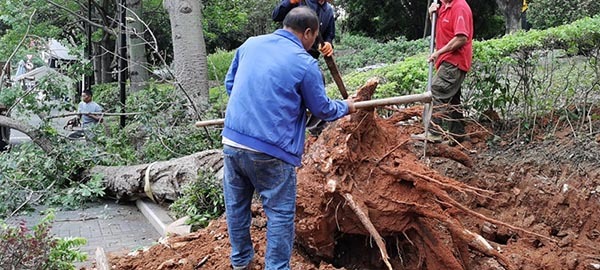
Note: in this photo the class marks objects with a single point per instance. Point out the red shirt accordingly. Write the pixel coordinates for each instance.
(455, 19)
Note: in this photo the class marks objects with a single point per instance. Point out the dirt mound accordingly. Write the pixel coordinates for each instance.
(367, 199)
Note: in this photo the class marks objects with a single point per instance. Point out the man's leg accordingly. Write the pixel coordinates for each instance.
(238, 190)
(456, 125)
(445, 89)
(276, 183)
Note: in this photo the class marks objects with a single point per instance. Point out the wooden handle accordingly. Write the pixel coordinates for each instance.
(337, 77)
(425, 97)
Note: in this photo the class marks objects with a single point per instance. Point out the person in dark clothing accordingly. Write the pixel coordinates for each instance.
(323, 44)
(326, 23)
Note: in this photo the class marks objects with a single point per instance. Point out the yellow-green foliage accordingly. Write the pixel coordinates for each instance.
(406, 77)
(490, 58)
(218, 64)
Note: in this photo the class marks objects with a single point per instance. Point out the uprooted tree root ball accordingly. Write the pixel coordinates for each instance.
(366, 200)
(361, 185)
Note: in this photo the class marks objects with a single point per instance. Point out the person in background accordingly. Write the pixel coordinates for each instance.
(88, 121)
(326, 23)
(452, 58)
(323, 44)
(263, 135)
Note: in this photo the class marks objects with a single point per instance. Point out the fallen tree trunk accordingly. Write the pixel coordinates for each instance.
(158, 180)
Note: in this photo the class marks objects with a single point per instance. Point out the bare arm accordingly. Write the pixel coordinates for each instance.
(455, 43)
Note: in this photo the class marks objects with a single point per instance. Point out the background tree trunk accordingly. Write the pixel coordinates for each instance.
(138, 72)
(512, 14)
(104, 49)
(189, 50)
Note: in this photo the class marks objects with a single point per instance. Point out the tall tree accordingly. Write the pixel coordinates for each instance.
(138, 63)
(189, 50)
(103, 44)
(511, 9)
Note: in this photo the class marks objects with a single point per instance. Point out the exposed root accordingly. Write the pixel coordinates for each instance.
(364, 219)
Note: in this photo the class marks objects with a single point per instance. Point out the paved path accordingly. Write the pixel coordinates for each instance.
(114, 227)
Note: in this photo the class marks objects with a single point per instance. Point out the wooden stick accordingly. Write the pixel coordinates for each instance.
(364, 219)
(425, 97)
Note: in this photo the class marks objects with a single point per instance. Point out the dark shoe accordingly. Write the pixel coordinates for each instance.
(427, 137)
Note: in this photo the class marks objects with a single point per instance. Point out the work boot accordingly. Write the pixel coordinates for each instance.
(427, 137)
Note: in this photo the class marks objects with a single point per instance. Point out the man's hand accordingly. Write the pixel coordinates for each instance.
(433, 56)
(351, 107)
(432, 9)
(294, 2)
(326, 49)
(350, 101)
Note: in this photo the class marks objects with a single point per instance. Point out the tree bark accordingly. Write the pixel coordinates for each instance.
(189, 50)
(512, 14)
(138, 72)
(158, 180)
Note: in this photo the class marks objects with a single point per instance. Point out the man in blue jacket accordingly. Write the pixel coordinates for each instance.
(326, 22)
(271, 82)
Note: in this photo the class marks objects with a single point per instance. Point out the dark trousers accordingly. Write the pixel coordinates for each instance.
(446, 91)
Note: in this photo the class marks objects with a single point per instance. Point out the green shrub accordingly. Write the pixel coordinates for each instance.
(354, 52)
(521, 74)
(21, 248)
(218, 64)
(543, 14)
(202, 200)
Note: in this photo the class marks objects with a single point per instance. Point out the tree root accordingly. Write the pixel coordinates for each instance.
(364, 219)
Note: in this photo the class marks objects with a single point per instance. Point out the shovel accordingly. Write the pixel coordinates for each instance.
(428, 107)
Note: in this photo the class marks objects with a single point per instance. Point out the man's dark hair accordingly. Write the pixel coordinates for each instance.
(87, 92)
(300, 18)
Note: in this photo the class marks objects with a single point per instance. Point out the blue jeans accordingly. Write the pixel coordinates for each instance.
(275, 181)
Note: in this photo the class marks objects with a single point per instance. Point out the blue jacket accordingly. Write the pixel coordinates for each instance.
(325, 13)
(271, 82)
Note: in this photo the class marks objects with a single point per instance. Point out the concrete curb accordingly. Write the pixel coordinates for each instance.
(161, 221)
(155, 214)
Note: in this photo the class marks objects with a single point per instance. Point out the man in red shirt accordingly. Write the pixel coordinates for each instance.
(452, 57)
